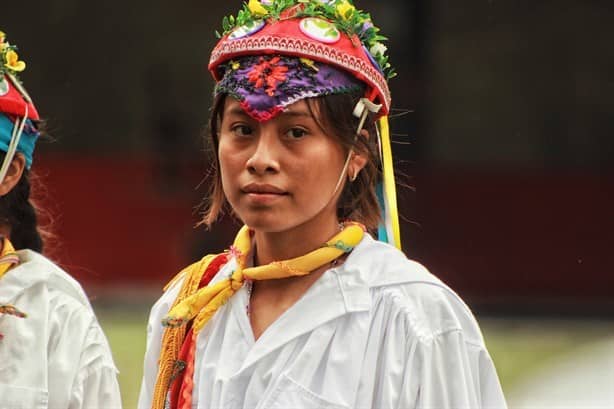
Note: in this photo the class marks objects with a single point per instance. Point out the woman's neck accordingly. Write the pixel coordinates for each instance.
(294, 242)
(270, 298)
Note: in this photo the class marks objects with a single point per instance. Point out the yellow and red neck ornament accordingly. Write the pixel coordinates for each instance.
(18, 131)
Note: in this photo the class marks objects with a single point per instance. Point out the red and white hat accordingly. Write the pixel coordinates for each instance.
(331, 32)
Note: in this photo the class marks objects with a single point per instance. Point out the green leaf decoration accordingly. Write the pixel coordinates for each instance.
(321, 24)
(331, 32)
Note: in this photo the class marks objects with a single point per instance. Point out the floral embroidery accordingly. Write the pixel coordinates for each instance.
(269, 73)
(266, 84)
(326, 53)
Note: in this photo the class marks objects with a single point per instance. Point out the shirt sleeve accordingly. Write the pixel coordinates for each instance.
(453, 373)
(96, 383)
(432, 353)
(81, 371)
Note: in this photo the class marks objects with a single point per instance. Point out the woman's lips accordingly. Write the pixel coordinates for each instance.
(263, 193)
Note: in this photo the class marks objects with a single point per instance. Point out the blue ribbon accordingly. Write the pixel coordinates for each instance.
(26, 142)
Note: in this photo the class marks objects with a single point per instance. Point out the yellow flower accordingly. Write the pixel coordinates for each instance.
(13, 63)
(2, 37)
(235, 65)
(309, 63)
(345, 10)
(256, 8)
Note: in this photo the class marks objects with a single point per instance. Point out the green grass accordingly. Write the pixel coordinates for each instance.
(518, 347)
(127, 333)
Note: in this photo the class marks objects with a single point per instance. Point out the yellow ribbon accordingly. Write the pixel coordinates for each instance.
(390, 193)
(203, 304)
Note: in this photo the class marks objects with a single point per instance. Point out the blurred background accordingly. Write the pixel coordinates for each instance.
(504, 137)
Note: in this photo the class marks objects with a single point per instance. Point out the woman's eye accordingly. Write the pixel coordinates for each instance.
(296, 133)
(242, 130)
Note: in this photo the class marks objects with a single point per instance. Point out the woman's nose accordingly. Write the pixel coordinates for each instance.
(264, 158)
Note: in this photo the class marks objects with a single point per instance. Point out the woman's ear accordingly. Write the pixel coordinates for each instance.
(358, 160)
(15, 170)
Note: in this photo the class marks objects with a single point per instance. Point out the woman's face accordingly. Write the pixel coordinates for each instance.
(281, 173)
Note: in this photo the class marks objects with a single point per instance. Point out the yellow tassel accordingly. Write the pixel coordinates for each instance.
(173, 338)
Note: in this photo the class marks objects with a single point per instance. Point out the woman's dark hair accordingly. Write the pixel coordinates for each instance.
(20, 214)
(334, 114)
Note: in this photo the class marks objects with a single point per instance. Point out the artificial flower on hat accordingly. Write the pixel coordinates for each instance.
(12, 98)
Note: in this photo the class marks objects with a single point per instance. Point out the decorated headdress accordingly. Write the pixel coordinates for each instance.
(18, 132)
(276, 52)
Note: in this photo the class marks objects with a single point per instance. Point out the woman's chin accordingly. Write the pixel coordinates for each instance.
(266, 223)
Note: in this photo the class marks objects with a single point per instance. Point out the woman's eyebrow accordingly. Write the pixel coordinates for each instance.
(236, 110)
(296, 113)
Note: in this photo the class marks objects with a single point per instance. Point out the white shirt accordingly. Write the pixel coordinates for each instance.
(378, 331)
(57, 357)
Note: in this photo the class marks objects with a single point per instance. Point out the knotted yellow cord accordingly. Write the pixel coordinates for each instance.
(203, 304)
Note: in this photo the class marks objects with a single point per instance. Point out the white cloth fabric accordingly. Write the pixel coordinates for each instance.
(57, 357)
(378, 331)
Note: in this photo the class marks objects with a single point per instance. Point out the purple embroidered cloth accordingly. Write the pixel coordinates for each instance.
(266, 84)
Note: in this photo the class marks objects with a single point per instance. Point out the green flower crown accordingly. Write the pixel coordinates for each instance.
(342, 13)
(9, 59)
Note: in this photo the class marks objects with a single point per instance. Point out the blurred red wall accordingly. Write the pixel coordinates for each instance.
(493, 235)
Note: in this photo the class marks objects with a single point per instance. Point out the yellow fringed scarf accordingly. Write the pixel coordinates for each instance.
(201, 305)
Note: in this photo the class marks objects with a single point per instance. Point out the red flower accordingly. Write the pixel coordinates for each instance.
(269, 73)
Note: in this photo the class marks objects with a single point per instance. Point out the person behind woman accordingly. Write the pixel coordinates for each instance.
(306, 309)
(53, 353)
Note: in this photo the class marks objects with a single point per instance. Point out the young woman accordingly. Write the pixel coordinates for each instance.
(306, 309)
(53, 353)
